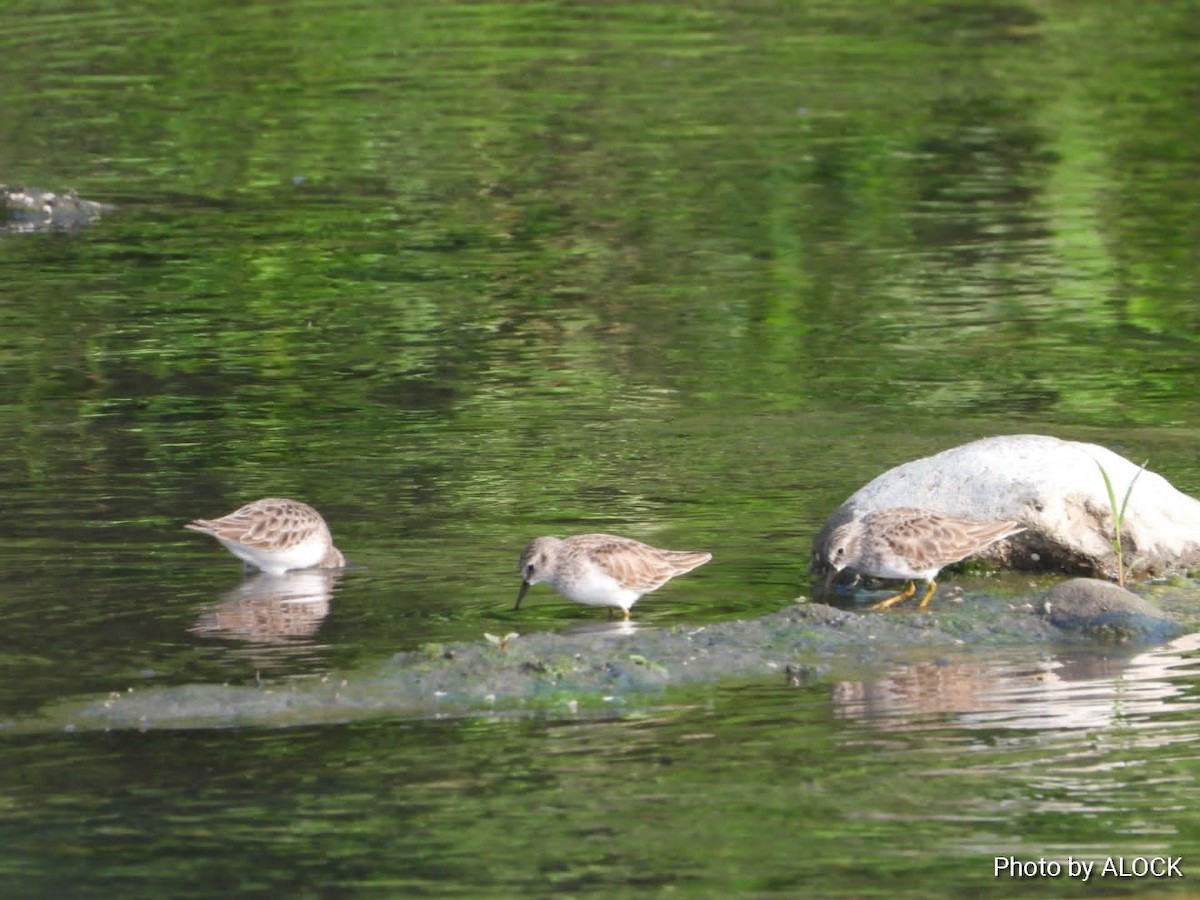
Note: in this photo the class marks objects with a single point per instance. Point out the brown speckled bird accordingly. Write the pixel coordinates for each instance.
(912, 544)
(275, 535)
(602, 569)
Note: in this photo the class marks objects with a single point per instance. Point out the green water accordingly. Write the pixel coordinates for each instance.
(463, 274)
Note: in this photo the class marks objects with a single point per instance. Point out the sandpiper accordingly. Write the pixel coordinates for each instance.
(602, 569)
(275, 535)
(913, 544)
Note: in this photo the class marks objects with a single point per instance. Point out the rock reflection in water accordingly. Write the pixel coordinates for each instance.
(1072, 690)
(276, 617)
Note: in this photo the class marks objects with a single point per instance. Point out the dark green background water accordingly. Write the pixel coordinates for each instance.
(463, 274)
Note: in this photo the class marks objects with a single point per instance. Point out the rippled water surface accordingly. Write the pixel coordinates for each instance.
(462, 274)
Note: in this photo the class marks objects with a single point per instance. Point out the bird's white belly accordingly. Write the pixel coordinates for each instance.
(902, 572)
(596, 589)
(304, 555)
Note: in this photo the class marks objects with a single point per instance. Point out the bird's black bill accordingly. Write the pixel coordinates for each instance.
(521, 594)
(830, 574)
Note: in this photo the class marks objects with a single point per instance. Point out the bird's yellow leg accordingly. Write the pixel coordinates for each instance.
(928, 594)
(627, 615)
(896, 598)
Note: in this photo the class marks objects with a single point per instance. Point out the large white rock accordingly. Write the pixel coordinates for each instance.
(1055, 488)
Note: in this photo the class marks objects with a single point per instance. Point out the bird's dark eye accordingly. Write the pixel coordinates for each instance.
(529, 570)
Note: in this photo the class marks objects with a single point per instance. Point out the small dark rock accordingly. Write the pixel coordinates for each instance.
(1104, 611)
(610, 670)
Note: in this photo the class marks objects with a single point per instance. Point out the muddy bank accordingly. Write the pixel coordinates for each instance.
(603, 668)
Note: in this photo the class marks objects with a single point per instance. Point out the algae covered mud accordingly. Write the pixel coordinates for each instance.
(618, 667)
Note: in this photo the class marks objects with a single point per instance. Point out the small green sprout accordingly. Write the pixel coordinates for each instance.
(1118, 514)
(500, 643)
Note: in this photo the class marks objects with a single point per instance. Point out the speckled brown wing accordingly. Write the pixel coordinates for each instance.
(270, 524)
(932, 540)
(640, 567)
(982, 534)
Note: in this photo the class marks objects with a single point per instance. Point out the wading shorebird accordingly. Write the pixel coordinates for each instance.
(275, 535)
(602, 569)
(907, 543)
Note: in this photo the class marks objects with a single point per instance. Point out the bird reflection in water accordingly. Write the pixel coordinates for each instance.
(274, 618)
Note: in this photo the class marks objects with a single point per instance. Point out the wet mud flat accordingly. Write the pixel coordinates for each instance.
(608, 668)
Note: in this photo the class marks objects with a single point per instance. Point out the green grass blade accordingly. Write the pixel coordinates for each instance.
(1129, 490)
(1112, 496)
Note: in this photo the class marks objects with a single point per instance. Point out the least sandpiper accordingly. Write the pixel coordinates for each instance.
(913, 544)
(275, 535)
(602, 569)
